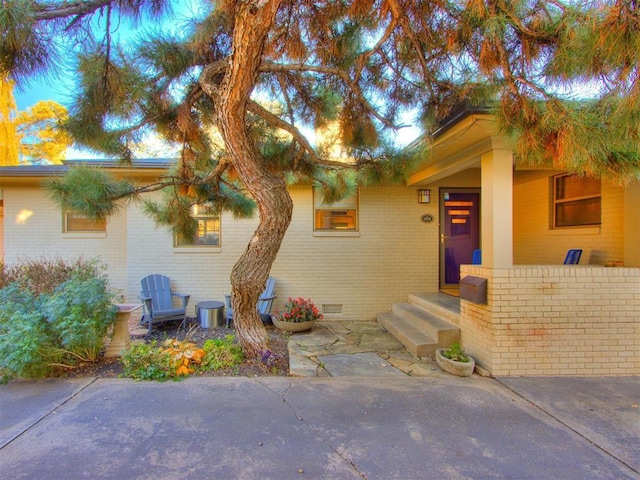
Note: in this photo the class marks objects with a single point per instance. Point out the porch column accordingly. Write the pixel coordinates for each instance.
(497, 209)
(632, 225)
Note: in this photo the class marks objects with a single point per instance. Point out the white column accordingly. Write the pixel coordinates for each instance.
(497, 209)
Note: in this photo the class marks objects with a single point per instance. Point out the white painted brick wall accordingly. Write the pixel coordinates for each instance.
(394, 254)
(536, 243)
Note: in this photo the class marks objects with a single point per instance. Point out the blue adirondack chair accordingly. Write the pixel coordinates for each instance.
(265, 301)
(573, 256)
(157, 298)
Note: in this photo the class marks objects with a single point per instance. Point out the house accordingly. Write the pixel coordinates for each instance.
(392, 243)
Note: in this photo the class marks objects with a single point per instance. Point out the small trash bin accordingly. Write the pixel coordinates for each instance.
(210, 314)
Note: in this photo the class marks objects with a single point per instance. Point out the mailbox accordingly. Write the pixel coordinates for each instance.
(473, 289)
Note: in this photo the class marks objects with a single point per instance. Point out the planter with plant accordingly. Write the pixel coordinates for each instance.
(453, 360)
(298, 315)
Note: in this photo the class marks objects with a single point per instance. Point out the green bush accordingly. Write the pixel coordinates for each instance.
(147, 361)
(150, 361)
(221, 353)
(53, 315)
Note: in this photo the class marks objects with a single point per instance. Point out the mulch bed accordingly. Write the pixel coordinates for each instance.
(111, 367)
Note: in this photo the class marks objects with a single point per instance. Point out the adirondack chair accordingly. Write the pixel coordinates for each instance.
(573, 257)
(265, 301)
(157, 298)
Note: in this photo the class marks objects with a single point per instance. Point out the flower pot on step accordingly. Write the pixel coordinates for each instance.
(461, 369)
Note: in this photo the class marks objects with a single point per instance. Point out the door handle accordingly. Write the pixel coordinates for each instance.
(442, 237)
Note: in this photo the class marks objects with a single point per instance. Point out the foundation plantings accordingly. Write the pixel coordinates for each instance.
(453, 360)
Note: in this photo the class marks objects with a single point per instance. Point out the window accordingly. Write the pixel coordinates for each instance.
(208, 232)
(77, 222)
(342, 215)
(576, 201)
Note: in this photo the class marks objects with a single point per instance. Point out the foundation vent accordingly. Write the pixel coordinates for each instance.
(332, 309)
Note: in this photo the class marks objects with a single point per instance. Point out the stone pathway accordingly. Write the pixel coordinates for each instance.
(339, 349)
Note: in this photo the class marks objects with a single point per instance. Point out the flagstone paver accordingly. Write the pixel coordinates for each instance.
(353, 348)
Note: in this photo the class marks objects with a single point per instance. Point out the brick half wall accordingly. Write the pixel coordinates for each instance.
(555, 320)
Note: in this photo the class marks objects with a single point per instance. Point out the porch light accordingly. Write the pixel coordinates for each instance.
(424, 195)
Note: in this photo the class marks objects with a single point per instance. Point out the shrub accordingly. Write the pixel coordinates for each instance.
(146, 361)
(178, 358)
(221, 353)
(53, 315)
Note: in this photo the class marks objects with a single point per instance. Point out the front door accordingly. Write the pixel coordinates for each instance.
(459, 231)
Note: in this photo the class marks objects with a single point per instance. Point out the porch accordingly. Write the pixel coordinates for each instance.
(540, 319)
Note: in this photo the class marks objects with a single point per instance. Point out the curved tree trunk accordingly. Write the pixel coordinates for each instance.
(249, 275)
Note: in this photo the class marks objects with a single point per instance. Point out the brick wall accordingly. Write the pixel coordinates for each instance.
(363, 273)
(394, 252)
(33, 230)
(555, 320)
(535, 243)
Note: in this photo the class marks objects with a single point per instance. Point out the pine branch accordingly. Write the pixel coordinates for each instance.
(277, 122)
(64, 9)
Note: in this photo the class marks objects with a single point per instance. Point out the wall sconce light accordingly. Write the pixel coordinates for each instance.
(424, 195)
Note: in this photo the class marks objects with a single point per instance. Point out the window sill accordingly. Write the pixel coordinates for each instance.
(568, 231)
(84, 235)
(336, 233)
(197, 250)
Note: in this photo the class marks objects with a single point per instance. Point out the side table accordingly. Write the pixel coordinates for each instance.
(210, 314)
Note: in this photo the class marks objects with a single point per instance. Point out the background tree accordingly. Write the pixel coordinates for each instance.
(360, 64)
(41, 136)
(35, 135)
(8, 136)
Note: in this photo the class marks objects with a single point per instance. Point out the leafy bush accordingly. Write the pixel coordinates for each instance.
(185, 355)
(146, 361)
(178, 358)
(53, 315)
(221, 353)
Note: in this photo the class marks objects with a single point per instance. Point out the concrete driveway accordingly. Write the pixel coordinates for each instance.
(321, 428)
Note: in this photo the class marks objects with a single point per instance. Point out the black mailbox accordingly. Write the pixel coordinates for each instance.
(473, 289)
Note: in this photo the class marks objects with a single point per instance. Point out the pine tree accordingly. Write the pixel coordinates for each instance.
(355, 66)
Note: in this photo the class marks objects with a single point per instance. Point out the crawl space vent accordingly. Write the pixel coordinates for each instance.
(331, 309)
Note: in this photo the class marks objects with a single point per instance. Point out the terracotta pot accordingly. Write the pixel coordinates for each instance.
(461, 369)
(293, 326)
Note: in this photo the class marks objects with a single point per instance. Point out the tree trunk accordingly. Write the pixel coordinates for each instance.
(250, 273)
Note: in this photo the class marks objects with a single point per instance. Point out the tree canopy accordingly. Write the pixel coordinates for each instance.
(31, 136)
(263, 72)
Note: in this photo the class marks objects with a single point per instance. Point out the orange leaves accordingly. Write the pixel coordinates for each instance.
(183, 355)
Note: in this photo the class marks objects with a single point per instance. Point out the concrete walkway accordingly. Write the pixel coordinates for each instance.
(338, 349)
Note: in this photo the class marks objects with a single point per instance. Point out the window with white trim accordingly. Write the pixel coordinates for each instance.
(576, 201)
(338, 216)
(74, 222)
(208, 231)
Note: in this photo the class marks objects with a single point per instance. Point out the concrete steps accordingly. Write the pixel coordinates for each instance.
(422, 326)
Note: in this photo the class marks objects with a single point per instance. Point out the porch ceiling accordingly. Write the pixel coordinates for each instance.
(457, 148)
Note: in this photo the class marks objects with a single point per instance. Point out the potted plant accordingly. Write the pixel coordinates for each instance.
(299, 314)
(455, 361)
